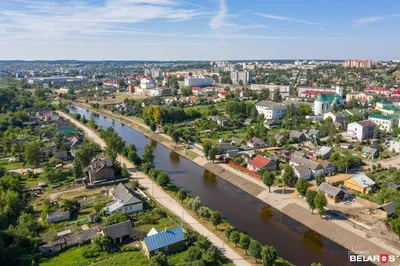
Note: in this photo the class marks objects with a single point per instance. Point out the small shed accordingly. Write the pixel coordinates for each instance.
(385, 211)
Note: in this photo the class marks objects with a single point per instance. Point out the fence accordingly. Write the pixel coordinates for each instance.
(244, 169)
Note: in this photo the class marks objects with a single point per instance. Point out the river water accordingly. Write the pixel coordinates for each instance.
(292, 240)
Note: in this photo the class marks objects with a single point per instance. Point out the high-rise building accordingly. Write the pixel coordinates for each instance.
(153, 72)
(198, 82)
(359, 63)
(244, 76)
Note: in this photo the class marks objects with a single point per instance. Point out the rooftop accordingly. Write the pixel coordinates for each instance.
(363, 180)
(329, 189)
(164, 238)
(259, 161)
(381, 116)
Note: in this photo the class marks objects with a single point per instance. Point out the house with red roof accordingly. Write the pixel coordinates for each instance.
(196, 90)
(378, 90)
(260, 162)
(111, 83)
(222, 94)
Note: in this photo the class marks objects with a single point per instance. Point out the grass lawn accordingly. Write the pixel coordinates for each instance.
(13, 165)
(160, 226)
(69, 257)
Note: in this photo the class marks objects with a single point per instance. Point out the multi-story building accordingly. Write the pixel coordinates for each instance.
(198, 82)
(359, 63)
(284, 90)
(384, 122)
(147, 83)
(153, 72)
(394, 145)
(361, 130)
(271, 110)
(244, 76)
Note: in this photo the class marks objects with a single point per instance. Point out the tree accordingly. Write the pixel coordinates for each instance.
(153, 127)
(255, 249)
(216, 219)
(206, 148)
(195, 204)
(319, 179)
(302, 186)
(244, 242)
(316, 264)
(212, 255)
(182, 194)
(276, 95)
(288, 176)
(159, 260)
(192, 254)
(268, 179)
(212, 153)
(134, 184)
(202, 242)
(235, 237)
(33, 155)
(101, 243)
(320, 202)
(163, 179)
(124, 172)
(69, 205)
(203, 211)
(310, 196)
(268, 255)
(148, 155)
(115, 218)
(395, 225)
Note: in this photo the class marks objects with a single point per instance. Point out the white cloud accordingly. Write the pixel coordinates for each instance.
(44, 20)
(275, 17)
(220, 20)
(372, 19)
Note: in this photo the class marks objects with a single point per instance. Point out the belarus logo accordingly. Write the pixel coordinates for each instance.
(384, 258)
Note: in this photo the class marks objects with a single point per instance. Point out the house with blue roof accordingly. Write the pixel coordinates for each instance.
(165, 242)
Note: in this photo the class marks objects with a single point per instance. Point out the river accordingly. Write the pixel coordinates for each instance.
(292, 240)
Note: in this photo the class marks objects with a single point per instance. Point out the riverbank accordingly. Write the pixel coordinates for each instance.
(166, 200)
(332, 229)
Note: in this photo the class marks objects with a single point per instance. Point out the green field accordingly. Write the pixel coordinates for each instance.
(13, 165)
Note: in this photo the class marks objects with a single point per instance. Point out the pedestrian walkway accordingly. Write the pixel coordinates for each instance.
(167, 201)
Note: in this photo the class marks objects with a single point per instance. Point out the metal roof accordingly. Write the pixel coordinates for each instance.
(363, 180)
(329, 189)
(164, 238)
(388, 208)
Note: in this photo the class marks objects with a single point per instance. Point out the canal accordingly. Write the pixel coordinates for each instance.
(292, 240)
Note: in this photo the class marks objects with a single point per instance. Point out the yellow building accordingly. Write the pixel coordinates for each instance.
(360, 183)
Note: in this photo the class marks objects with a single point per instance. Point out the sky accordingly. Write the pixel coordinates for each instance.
(199, 29)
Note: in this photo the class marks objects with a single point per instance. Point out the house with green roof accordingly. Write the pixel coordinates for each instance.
(384, 122)
(324, 103)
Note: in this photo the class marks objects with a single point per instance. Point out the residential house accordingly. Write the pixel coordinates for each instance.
(325, 152)
(315, 167)
(332, 193)
(255, 143)
(384, 122)
(313, 133)
(259, 162)
(57, 216)
(222, 121)
(271, 123)
(44, 114)
(235, 140)
(61, 155)
(385, 211)
(341, 117)
(222, 94)
(394, 145)
(271, 110)
(227, 147)
(346, 146)
(119, 233)
(100, 170)
(329, 167)
(361, 130)
(64, 127)
(361, 183)
(360, 97)
(124, 200)
(369, 152)
(302, 171)
(297, 136)
(248, 122)
(232, 154)
(278, 138)
(166, 241)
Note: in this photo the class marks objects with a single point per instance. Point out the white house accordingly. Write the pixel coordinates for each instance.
(271, 110)
(385, 122)
(361, 130)
(125, 200)
(147, 83)
(302, 171)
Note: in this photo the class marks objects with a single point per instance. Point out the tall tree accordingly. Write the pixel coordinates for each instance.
(255, 249)
(33, 155)
(216, 219)
(302, 186)
(206, 148)
(268, 255)
(288, 176)
(148, 155)
(244, 242)
(235, 237)
(310, 196)
(268, 179)
(320, 202)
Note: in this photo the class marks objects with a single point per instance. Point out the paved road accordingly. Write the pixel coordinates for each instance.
(164, 199)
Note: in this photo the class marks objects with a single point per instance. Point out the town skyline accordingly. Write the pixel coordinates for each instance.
(196, 30)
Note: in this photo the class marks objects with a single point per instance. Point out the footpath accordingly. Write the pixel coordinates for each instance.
(167, 201)
(339, 231)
